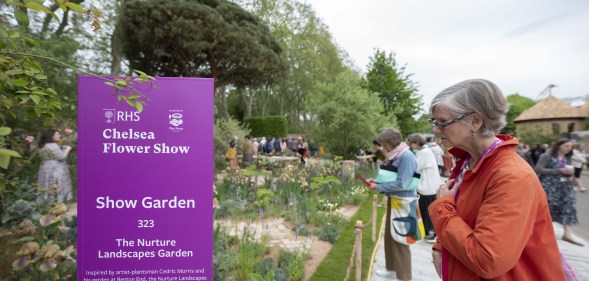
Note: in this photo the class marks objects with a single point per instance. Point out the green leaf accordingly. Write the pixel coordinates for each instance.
(4, 77)
(109, 84)
(13, 34)
(20, 82)
(13, 3)
(40, 2)
(51, 91)
(14, 72)
(31, 41)
(38, 7)
(41, 76)
(139, 106)
(8, 103)
(55, 105)
(4, 161)
(131, 103)
(21, 17)
(9, 152)
(75, 7)
(36, 99)
(24, 240)
(121, 97)
(5, 131)
(62, 7)
(121, 82)
(14, 46)
(133, 96)
(5, 155)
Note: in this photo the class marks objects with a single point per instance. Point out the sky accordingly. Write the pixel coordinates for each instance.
(522, 46)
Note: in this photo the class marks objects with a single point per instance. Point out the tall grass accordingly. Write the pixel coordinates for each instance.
(339, 256)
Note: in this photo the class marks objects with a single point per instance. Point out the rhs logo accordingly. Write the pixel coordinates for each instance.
(109, 114)
(175, 119)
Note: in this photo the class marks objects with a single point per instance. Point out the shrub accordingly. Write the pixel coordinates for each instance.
(48, 248)
(331, 227)
(292, 264)
(268, 126)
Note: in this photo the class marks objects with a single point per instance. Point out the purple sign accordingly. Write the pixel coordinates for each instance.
(145, 182)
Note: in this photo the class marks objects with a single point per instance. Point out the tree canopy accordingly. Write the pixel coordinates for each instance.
(312, 57)
(348, 117)
(203, 38)
(517, 105)
(395, 89)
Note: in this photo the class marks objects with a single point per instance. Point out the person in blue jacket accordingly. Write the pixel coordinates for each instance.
(399, 155)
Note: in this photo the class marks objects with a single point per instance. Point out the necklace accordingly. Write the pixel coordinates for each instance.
(465, 165)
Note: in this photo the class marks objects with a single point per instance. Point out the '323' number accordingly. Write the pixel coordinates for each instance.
(145, 223)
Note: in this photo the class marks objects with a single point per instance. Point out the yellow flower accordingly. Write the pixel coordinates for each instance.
(48, 219)
(66, 254)
(50, 251)
(28, 249)
(21, 262)
(47, 265)
(58, 209)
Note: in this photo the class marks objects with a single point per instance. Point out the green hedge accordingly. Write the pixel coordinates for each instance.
(268, 126)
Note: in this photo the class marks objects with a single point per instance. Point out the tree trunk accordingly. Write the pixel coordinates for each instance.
(249, 101)
(117, 53)
(221, 97)
(282, 93)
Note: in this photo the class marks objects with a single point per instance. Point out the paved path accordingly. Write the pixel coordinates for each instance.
(276, 230)
(423, 270)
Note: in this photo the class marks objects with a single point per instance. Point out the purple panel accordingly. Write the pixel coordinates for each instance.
(145, 182)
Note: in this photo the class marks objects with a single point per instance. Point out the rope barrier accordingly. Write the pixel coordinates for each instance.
(357, 249)
(351, 263)
(357, 253)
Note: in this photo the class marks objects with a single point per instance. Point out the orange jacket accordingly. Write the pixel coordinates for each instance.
(501, 228)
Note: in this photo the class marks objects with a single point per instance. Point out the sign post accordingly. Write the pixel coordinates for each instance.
(145, 182)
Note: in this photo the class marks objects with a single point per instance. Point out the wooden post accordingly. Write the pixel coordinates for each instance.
(374, 206)
(358, 250)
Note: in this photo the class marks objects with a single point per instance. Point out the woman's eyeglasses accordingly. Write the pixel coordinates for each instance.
(443, 125)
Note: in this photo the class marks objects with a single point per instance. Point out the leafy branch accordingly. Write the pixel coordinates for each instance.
(119, 85)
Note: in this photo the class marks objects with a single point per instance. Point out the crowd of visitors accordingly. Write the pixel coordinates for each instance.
(250, 148)
(481, 225)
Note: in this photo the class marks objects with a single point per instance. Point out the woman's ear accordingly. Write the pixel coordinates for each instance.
(477, 121)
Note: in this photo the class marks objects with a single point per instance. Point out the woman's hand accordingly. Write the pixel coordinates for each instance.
(66, 149)
(444, 189)
(437, 260)
(567, 171)
(372, 183)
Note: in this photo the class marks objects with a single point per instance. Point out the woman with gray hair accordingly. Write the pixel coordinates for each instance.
(491, 217)
(398, 156)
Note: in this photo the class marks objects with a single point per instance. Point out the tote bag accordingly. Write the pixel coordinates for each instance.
(406, 223)
(389, 173)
